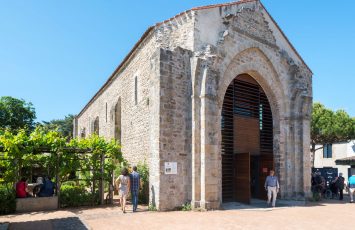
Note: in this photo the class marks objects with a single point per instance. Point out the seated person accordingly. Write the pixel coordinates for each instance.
(47, 188)
(21, 188)
(39, 180)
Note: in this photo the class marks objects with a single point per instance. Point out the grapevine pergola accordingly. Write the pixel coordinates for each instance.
(76, 154)
(94, 159)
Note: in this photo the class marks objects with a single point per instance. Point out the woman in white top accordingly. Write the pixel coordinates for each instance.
(123, 184)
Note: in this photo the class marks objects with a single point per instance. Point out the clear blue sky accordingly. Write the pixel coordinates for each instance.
(57, 54)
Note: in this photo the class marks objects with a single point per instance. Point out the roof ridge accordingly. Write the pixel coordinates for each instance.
(222, 4)
(204, 8)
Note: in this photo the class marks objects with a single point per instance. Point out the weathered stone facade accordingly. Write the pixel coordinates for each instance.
(171, 89)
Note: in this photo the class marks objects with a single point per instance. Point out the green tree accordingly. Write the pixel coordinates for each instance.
(329, 127)
(16, 114)
(63, 126)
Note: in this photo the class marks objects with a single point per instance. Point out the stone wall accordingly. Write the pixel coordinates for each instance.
(142, 139)
(175, 127)
(135, 118)
(176, 32)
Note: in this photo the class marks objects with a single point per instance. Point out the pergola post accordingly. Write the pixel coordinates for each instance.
(112, 187)
(57, 179)
(102, 184)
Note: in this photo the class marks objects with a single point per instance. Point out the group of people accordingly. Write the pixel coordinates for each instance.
(128, 183)
(336, 186)
(44, 187)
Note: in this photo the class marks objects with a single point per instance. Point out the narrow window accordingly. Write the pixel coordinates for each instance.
(117, 127)
(330, 151)
(96, 126)
(135, 90)
(106, 112)
(327, 151)
(83, 133)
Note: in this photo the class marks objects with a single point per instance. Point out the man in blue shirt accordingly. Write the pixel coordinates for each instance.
(135, 183)
(47, 189)
(352, 187)
(272, 187)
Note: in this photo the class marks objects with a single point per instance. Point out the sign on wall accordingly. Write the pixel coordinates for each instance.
(170, 168)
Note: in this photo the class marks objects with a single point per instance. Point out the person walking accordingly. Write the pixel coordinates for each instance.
(272, 187)
(135, 184)
(123, 184)
(340, 185)
(352, 187)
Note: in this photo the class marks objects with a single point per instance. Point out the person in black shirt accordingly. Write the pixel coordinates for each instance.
(340, 185)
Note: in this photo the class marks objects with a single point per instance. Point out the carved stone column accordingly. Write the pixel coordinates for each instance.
(196, 135)
(210, 149)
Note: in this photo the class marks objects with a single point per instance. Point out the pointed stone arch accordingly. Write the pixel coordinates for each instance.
(254, 62)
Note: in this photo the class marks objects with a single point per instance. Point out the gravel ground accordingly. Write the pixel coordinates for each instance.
(331, 215)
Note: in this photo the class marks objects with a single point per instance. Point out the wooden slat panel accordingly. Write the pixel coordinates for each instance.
(227, 146)
(246, 135)
(242, 177)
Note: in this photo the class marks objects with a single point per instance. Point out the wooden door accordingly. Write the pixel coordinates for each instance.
(266, 164)
(242, 177)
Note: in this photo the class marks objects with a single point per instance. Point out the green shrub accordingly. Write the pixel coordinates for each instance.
(75, 196)
(143, 170)
(7, 200)
(152, 208)
(69, 183)
(186, 207)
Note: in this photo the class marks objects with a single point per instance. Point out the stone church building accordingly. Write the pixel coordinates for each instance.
(212, 99)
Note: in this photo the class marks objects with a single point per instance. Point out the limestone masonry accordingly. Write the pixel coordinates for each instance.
(164, 101)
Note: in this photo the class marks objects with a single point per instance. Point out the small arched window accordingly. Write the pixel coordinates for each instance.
(83, 133)
(136, 90)
(96, 126)
(106, 112)
(117, 127)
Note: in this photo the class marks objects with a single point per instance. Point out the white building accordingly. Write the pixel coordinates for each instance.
(326, 157)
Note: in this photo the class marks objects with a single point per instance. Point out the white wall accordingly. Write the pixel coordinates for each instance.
(340, 150)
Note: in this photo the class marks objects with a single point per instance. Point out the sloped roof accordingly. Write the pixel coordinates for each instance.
(346, 161)
(150, 29)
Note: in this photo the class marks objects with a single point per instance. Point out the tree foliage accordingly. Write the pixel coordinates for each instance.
(329, 127)
(63, 126)
(22, 150)
(16, 114)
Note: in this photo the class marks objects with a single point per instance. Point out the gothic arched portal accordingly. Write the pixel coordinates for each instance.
(247, 140)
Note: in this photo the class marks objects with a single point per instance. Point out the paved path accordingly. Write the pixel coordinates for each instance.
(333, 215)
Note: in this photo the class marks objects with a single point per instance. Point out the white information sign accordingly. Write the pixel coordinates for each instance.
(170, 167)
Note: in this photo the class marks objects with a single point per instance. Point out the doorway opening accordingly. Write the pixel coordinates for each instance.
(247, 141)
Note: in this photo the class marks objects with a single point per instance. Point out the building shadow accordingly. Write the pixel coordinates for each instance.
(255, 204)
(68, 223)
(261, 205)
(112, 207)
